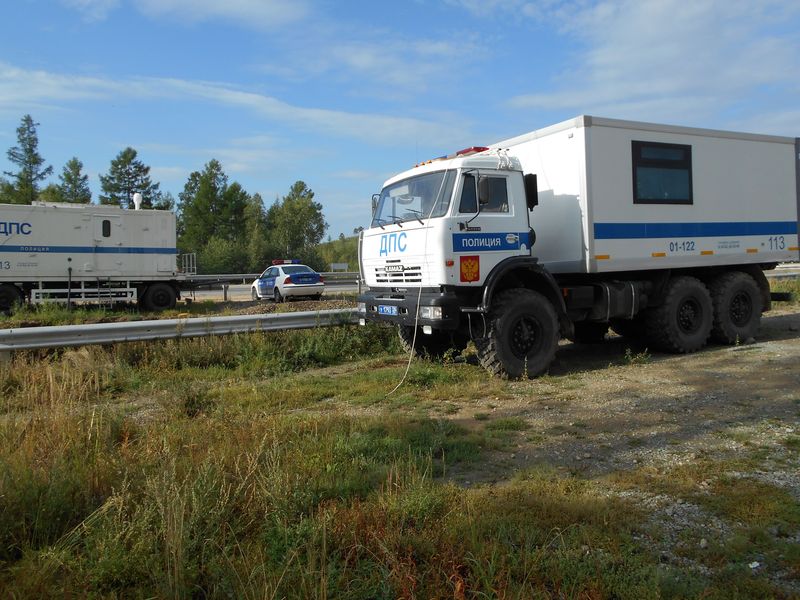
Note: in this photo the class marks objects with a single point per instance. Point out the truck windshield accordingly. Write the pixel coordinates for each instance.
(415, 198)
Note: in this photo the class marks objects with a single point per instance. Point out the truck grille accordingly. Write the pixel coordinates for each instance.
(407, 275)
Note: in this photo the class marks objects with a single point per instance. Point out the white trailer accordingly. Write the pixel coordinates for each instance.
(659, 231)
(63, 252)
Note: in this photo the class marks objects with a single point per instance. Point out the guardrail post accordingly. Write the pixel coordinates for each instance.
(5, 357)
(224, 292)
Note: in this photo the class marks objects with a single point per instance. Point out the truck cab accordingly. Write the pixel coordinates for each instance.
(442, 236)
(444, 224)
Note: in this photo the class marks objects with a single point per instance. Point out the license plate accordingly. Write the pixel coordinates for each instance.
(387, 310)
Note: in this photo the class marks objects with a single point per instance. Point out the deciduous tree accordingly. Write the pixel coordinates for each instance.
(296, 222)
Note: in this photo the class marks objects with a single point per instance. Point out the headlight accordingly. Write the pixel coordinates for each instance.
(362, 308)
(430, 312)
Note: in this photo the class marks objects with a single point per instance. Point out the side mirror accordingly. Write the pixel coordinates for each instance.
(375, 198)
(483, 191)
(531, 190)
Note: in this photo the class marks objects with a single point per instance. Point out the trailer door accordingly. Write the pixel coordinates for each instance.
(108, 245)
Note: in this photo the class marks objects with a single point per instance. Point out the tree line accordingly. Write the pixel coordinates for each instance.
(230, 229)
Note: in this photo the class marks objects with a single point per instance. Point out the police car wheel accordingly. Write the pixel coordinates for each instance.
(277, 296)
(253, 294)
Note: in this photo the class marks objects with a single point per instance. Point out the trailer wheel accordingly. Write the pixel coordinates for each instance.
(683, 321)
(10, 296)
(431, 346)
(159, 296)
(522, 337)
(737, 307)
(589, 332)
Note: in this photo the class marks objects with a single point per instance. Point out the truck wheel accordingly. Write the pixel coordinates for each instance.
(589, 332)
(737, 307)
(427, 346)
(522, 337)
(683, 322)
(277, 296)
(159, 296)
(10, 296)
(633, 329)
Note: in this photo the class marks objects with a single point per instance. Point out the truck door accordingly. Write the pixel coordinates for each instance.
(108, 245)
(493, 224)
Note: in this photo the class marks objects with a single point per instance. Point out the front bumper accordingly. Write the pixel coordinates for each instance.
(406, 307)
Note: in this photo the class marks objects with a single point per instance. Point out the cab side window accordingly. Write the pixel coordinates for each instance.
(498, 196)
(469, 198)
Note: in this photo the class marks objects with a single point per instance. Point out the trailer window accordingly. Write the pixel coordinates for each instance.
(662, 173)
(106, 228)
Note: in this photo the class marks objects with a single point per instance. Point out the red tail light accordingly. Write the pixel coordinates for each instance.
(321, 279)
(287, 280)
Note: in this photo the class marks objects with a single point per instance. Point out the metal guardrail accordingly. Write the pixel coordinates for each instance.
(60, 336)
(248, 277)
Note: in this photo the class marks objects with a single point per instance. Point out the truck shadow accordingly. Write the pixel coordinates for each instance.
(618, 350)
(667, 410)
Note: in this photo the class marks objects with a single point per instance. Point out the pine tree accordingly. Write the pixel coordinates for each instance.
(127, 176)
(74, 184)
(31, 165)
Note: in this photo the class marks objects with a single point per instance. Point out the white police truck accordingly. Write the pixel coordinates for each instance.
(659, 232)
(63, 252)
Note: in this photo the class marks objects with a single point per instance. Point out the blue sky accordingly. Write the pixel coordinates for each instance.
(344, 94)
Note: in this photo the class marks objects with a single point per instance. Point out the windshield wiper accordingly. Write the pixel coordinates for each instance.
(378, 221)
(418, 213)
(397, 220)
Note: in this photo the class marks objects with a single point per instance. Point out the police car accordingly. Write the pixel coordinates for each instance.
(287, 278)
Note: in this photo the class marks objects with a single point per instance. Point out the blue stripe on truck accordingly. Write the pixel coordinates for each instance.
(33, 249)
(630, 231)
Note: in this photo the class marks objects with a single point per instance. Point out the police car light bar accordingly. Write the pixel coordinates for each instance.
(286, 261)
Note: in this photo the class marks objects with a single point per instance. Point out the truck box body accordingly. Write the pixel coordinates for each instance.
(706, 197)
(41, 242)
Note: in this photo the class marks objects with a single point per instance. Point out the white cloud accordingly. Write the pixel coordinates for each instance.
(672, 60)
(22, 88)
(93, 10)
(378, 63)
(258, 14)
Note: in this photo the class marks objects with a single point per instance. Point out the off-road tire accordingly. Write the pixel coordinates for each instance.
(159, 296)
(277, 296)
(682, 323)
(737, 307)
(10, 296)
(433, 346)
(522, 335)
(589, 332)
